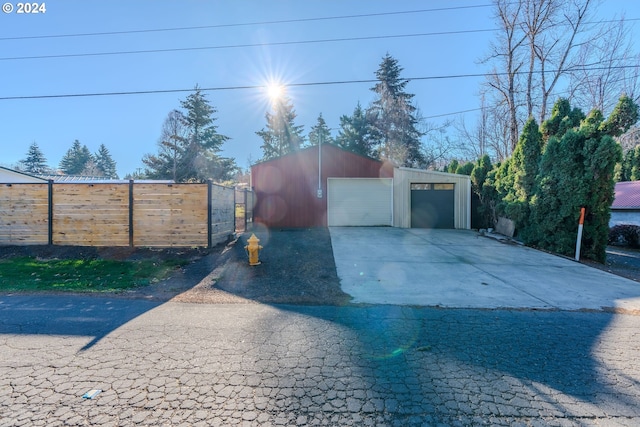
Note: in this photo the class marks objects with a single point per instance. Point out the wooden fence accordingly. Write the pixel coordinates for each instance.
(116, 214)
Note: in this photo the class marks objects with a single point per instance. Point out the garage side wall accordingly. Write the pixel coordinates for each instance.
(404, 177)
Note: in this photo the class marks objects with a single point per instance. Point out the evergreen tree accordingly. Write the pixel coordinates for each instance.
(623, 116)
(35, 162)
(562, 119)
(479, 175)
(171, 148)
(524, 170)
(577, 170)
(76, 159)
(465, 168)
(200, 160)
(189, 145)
(502, 182)
(452, 166)
(105, 164)
(281, 136)
(320, 133)
(629, 167)
(601, 153)
(355, 132)
(393, 118)
(633, 171)
(625, 166)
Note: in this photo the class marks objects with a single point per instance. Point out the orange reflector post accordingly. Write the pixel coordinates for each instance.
(581, 216)
(580, 227)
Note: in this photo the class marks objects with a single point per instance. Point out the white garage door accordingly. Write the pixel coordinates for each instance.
(359, 201)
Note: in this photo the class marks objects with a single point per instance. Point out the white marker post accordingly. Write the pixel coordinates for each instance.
(580, 227)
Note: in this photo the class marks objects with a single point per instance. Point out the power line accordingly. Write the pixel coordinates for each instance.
(244, 24)
(250, 45)
(236, 46)
(304, 84)
(451, 114)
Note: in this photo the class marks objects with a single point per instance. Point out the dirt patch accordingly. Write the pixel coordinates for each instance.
(297, 268)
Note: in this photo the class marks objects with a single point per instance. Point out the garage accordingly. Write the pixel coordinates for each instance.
(432, 205)
(292, 190)
(359, 202)
(326, 185)
(431, 199)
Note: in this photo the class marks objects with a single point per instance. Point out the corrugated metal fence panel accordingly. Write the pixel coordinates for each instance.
(91, 214)
(169, 215)
(404, 177)
(222, 213)
(360, 201)
(24, 214)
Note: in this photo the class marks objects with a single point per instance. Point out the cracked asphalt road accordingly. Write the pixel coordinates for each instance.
(251, 364)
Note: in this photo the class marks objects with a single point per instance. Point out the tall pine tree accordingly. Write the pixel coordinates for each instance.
(203, 143)
(281, 136)
(105, 164)
(355, 132)
(35, 162)
(76, 159)
(393, 118)
(320, 133)
(188, 150)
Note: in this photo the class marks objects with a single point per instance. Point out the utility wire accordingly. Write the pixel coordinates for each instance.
(451, 114)
(236, 46)
(305, 84)
(245, 24)
(249, 45)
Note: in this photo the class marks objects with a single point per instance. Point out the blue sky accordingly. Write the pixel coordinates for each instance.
(129, 125)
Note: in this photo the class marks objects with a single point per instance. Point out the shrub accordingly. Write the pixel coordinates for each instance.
(626, 235)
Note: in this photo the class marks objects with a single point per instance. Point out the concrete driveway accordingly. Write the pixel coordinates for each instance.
(460, 268)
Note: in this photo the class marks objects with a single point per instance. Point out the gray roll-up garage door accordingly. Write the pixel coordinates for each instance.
(432, 205)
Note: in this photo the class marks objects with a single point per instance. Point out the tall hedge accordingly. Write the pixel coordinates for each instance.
(523, 171)
(577, 170)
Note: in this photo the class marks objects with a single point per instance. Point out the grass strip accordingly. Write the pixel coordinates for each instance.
(28, 274)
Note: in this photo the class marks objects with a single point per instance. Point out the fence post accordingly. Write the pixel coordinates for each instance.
(246, 209)
(209, 213)
(50, 213)
(130, 213)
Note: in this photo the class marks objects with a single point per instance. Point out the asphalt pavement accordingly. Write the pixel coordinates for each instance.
(461, 269)
(458, 330)
(185, 364)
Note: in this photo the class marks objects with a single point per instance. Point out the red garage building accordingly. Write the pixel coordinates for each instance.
(290, 192)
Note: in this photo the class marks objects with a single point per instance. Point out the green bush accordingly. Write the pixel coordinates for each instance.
(625, 235)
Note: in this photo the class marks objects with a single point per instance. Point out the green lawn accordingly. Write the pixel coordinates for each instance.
(30, 274)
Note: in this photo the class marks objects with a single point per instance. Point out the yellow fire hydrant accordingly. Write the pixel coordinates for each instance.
(252, 249)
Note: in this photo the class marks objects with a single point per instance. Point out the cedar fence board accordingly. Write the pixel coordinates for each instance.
(116, 214)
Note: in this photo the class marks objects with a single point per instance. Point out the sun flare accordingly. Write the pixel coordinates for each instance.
(275, 91)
